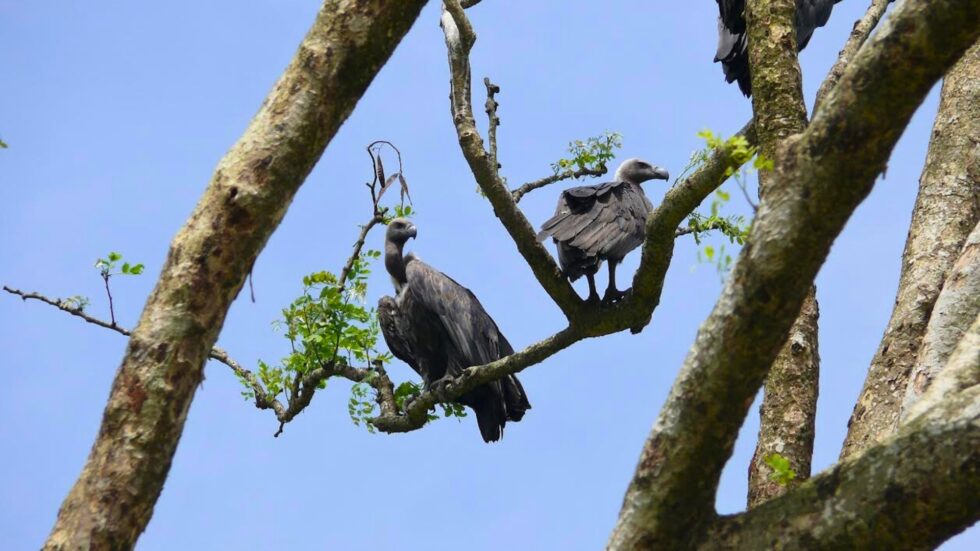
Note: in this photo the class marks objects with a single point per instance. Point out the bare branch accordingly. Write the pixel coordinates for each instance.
(262, 399)
(494, 121)
(520, 192)
(821, 177)
(859, 35)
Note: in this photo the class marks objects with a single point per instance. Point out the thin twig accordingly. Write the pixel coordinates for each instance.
(112, 312)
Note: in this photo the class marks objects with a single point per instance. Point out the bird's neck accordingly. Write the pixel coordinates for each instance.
(395, 262)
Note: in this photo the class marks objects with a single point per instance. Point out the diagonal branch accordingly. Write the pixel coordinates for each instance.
(859, 35)
(523, 190)
(821, 177)
(252, 187)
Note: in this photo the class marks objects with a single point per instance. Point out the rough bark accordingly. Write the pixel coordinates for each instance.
(789, 405)
(961, 372)
(788, 416)
(956, 308)
(112, 501)
(822, 175)
(946, 209)
(913, 491)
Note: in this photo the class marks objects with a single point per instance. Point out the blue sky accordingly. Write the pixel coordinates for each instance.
(117, 112)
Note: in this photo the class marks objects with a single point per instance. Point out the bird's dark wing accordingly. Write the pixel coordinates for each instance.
(601, 221)
(811, 14)
(474, 337)
(730, 13)
(577, 208)
(396, 329)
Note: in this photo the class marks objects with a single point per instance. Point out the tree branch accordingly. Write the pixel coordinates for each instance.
(523, 190)
(472, 377)
(912, 491)
(788, 414)
(859, 35)
(210, 257)
(956, 309)
(821, 177)
(946, 208)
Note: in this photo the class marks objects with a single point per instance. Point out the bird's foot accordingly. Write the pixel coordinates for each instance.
(613, 295)
(592, 299)
(438, 387)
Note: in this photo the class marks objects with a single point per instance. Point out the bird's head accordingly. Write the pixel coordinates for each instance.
(400, 230)
(637, 171)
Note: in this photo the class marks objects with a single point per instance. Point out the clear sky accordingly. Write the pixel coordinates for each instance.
(116, 114)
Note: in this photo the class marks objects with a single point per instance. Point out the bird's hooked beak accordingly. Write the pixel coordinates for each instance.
(412, 231)
(660, 174)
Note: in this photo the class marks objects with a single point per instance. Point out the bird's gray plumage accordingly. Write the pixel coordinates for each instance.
(602, 222)
(439, 328)
(733, 42)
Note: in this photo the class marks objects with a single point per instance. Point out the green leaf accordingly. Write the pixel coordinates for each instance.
(3, 144)
(136, 269)
(781, 471)
(114, 257)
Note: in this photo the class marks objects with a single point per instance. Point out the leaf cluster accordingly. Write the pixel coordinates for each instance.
(589, 154)
(781, 471)
(107, 266)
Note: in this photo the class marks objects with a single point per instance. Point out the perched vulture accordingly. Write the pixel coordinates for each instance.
(602, 222)
(733, 50)
(439, 328)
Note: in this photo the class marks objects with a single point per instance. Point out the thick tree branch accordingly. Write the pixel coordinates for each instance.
(946, 209)
(206, 267)
(956, 309)
(912, 491)
(821, 177)
(788, 414)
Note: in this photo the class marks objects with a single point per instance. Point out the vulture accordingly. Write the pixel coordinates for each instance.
(733, 50)
(439, 328)
(602, 222)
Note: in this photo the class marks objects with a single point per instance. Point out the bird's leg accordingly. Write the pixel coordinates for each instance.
(612, 294)
(593, 293)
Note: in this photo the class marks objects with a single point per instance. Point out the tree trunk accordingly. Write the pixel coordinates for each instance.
(112, 501)
(946, 209)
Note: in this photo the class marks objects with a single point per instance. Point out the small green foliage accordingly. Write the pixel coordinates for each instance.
(734, 227)
(781, 471)
(592, 153)
(107, 266)
(3, 144)
(406, 391)
(362, 404)
(76, 302)
(400, 211)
